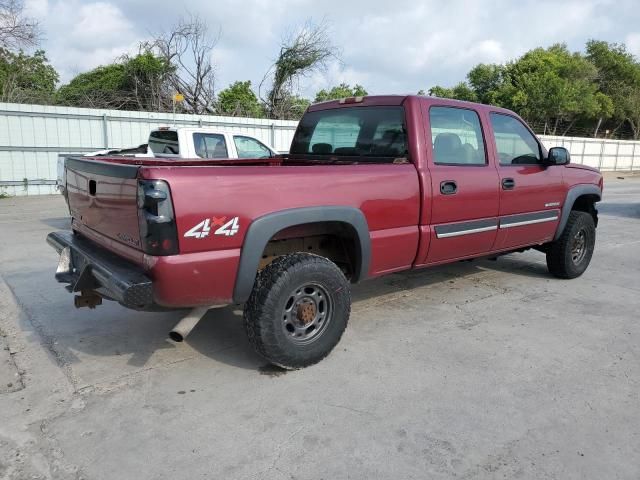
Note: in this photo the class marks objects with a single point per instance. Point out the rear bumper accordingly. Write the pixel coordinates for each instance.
(85, 266)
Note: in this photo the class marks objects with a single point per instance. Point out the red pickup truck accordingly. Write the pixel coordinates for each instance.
(371, 185)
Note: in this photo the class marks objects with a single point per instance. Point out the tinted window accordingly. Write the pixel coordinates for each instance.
(210, 145)
(515, 144)
(456, 136)
(164, 142)
(248, 147)
(374, 132)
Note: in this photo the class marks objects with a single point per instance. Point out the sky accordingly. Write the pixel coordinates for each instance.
(388, 46)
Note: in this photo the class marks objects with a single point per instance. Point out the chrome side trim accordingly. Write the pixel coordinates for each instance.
(466, 232)
(528, 222)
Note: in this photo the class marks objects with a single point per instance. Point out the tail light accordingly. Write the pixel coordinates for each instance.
(158, 231)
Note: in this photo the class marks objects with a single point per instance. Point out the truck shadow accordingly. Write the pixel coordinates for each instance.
(125, 341)
(221, 336)
(60, 223)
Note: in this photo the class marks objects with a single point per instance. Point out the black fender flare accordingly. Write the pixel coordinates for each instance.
(572, 195)
(262, 229)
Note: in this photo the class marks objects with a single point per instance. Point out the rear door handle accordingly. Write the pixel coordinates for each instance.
(448, 187)
(508, 183)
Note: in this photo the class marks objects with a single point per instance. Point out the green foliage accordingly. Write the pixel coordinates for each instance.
(239, 100)
(340, 91)
(461, 91)
(26, 78)
(298, 105)
(619, 79)
(101, 80)
(300, 55)
(553, 86)
(133, 83)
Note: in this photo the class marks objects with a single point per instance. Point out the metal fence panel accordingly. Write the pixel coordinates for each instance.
(32, 136)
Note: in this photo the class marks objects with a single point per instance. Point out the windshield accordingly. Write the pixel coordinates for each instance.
(374, 132)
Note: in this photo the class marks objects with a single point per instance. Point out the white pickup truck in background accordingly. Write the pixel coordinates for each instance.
(185, 142)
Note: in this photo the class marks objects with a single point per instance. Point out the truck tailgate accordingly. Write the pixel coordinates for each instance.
(103, 198)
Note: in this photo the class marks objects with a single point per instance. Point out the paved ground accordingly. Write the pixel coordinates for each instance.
(474, 370)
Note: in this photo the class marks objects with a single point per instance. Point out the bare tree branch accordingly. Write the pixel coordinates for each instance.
(189, 46)
(300, 55)
(17, 30)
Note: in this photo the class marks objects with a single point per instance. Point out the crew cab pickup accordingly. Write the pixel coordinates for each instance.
(371, 185)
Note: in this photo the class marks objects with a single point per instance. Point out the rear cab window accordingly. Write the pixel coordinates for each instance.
(456, 137)
(371, 133)
(164, 142)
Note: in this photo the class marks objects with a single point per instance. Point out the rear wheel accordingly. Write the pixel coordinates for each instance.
(298, 310)
(569, 255)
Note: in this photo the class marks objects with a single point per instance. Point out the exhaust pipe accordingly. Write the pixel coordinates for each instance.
(184, 326)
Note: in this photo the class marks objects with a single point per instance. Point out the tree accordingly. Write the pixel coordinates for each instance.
(489, 83)
(554, 85)
(26, 78)
(131, 83)
(16, 30)
(300, 55)
(341, 91)
(238, 100)
(618, 78)
(461, 91)
(551, 86)
(188, 47)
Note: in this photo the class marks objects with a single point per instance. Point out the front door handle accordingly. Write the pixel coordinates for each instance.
(448, 187)
(508, 183)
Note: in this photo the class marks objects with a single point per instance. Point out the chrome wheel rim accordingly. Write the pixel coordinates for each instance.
(579, 246)
(307, 313)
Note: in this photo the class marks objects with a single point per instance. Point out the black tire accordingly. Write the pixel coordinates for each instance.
(564, 257)
(287, 294)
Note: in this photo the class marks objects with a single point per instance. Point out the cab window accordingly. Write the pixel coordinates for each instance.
(248, 147)
(164, 142)
(514, 142)
(456, 137)
(371, 133)
(210, 145)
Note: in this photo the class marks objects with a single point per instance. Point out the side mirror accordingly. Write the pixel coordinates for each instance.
(558, 156)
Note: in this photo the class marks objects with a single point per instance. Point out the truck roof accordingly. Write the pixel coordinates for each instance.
(393, 100)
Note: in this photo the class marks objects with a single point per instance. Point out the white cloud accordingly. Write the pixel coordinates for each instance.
(394, 48)
(36, 8)
(81, 36)
(633, 43)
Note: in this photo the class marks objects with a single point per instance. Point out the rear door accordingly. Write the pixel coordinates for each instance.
(464, 203)
(531, 194)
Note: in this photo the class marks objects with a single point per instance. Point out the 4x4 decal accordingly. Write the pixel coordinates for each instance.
(225, 227)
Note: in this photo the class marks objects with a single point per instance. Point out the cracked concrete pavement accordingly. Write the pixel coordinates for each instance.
(473, 370)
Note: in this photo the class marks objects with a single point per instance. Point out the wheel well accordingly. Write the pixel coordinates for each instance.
(587, 203)
(337, 241)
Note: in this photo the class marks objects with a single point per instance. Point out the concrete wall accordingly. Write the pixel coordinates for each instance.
(32, 136)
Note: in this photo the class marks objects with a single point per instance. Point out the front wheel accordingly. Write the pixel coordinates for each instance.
(569, 255)
(298, 310)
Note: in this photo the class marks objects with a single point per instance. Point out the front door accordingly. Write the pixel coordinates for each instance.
(531, 194)
(464, 202)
